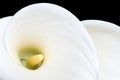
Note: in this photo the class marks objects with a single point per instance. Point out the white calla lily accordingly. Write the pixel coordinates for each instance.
(106, 37)
(4, 58)
(65, 46)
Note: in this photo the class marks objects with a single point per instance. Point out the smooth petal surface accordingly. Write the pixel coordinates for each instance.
(68, 49)
(4, 57)
(106, 37)
(3, 26)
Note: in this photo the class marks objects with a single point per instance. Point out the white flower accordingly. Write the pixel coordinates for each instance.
(106, 37)
(67, 51)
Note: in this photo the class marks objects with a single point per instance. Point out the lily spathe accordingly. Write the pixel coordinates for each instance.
(44, 41)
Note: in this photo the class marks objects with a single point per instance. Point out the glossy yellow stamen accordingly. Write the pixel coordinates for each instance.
(35, 61)
(31, 58)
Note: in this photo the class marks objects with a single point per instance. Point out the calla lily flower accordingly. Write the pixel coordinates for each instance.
(46, 42)
(106, 37)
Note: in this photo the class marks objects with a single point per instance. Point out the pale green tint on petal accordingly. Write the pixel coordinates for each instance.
(31, 58)
(106, 37)
(68, 49)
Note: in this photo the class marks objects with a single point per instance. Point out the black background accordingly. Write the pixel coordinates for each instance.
(83, 9)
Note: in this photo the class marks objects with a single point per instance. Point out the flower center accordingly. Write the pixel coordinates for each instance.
(31, 58)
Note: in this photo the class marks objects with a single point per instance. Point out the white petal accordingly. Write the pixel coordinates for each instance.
(3, 25)
(106, 37)
(4, 60)
(69, 51)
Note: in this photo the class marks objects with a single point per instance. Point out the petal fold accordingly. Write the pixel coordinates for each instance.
(106, 37)
(68, 49)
